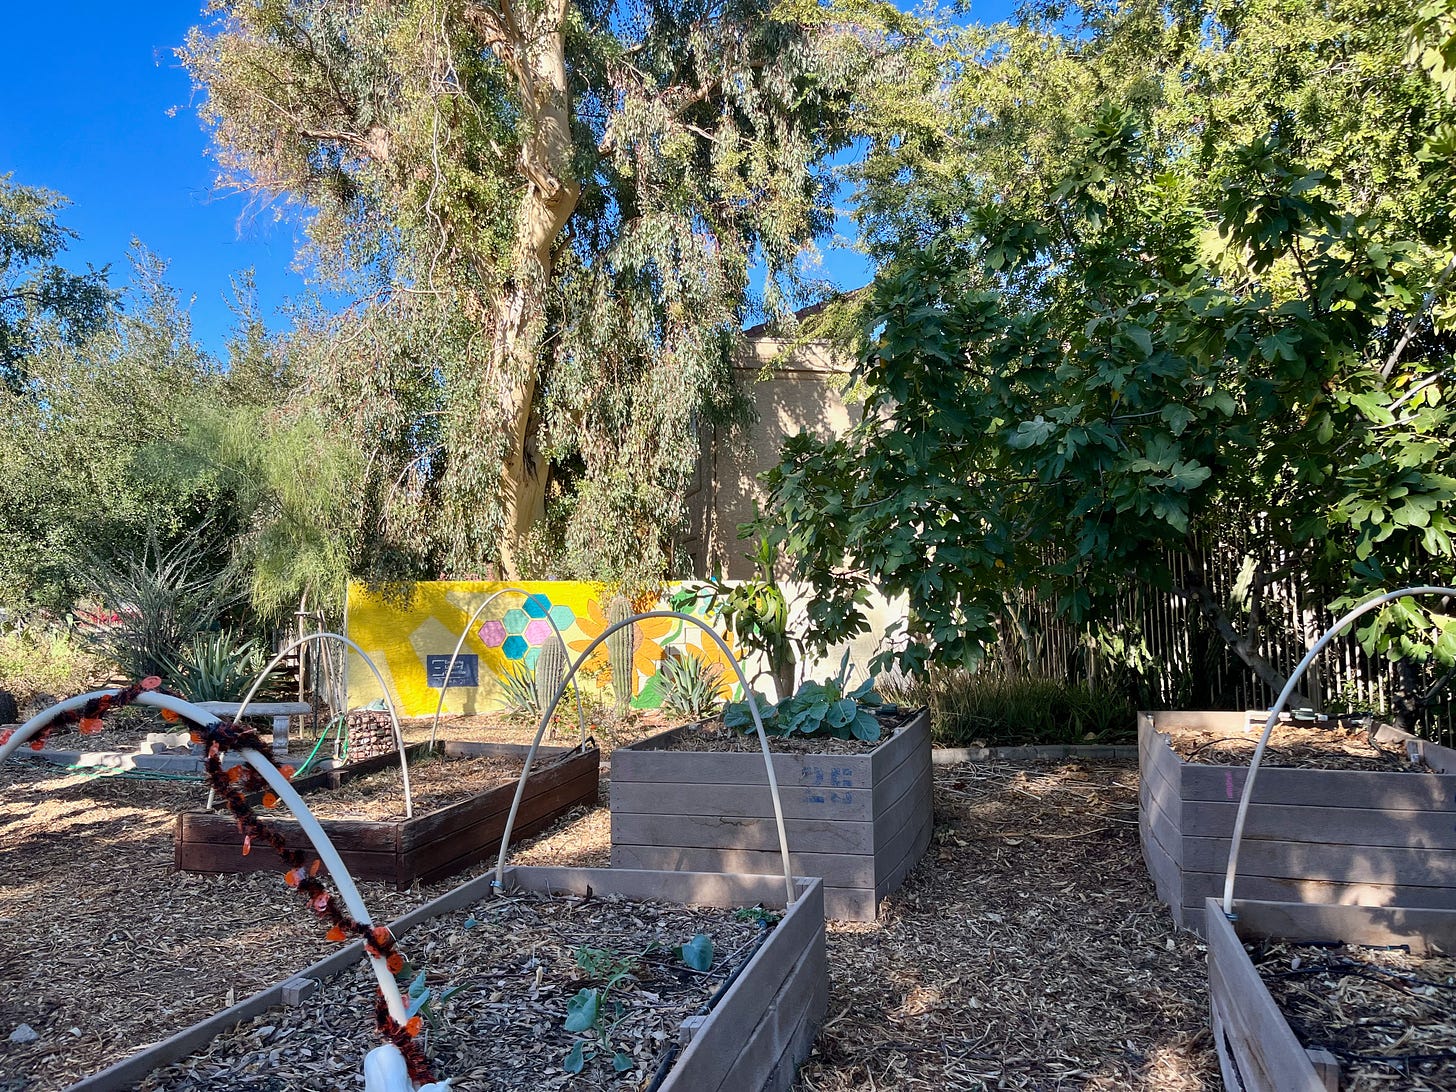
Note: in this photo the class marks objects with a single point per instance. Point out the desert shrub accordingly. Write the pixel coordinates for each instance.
(990, 709)
(217, 666)
(154, 604)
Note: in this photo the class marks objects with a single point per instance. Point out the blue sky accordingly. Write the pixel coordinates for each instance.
(97, 108)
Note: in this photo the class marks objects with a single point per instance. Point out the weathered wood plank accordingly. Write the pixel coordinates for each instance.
(1268, 1056)
(1339, 863)
(800, 802)
(1420, 929)
(686, 887)
(892, 873)
(850, 904)
(846, 870)
(447, 856)
(1414, 790)
(1354, 827)
(734, 832)
(638, 763)
(709, 1059)
(803, 994)
(910, 743)
(1198, 886)
(492, 803)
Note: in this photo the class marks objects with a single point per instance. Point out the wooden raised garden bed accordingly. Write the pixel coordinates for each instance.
(427, 847)
(1333, 836)
(859, 821)
(1258, 1051)
(758, 1026)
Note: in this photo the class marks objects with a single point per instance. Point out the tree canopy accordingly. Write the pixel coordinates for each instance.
(550, 212)
(1174, 278)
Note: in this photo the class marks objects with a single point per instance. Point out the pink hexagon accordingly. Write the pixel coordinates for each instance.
(492, 634)
(537, 630)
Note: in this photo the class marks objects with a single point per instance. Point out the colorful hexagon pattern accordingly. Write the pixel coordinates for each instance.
(516, 620)
(563, 616)
(536, 605)
(492, 634)
(514, 647)
(537, 631)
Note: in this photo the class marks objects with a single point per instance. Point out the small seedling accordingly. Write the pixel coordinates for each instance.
(765, 919)
(696, 953)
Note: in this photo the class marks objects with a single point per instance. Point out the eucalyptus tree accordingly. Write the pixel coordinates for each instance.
(565, 200)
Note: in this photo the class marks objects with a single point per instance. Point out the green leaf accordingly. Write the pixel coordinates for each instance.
(622, 1062)
(583, 1010)
(697, 953)
(575, 1060)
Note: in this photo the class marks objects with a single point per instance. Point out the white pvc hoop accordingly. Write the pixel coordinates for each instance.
(348, 891)
(773, 784)
(1247, 795)
(580, 712)
(409, 809)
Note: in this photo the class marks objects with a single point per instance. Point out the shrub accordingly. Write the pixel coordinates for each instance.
(38, 658)
(158, 601)
(216, 667)
(690, 686)
(990, 709)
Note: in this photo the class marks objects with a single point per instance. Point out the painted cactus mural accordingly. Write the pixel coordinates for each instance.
(412, 635)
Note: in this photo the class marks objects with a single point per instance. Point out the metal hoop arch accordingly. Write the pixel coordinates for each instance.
(580, 712)
(773, 784)
(1247, 795)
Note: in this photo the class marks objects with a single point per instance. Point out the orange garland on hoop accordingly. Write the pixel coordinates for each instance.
(234, 785)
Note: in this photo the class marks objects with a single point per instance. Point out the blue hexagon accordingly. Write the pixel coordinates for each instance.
(536, 605)
(515, 621)
(563, 617)
(532, 655)
(514, 647)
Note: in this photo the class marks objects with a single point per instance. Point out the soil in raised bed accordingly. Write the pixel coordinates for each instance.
(436, 781)
(1290, 745)
(513, 964)
(712, 735)
(1388, 1016)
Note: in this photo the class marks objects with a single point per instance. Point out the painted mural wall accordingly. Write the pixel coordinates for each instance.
(410, 635)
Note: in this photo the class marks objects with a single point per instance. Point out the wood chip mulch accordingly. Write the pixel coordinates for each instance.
(1026, 951)
(1322, 748)
(436, 781)
(1385, 1014)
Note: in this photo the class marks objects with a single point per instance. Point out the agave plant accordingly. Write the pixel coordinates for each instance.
(216, 666)
(690, 685)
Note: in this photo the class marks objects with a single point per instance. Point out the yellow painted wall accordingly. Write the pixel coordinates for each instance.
(400, 632)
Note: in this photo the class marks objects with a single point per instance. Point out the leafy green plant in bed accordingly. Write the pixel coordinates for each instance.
(593, 1010)
(816, 710)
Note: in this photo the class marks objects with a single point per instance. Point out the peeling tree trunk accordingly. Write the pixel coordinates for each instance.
(535, 54)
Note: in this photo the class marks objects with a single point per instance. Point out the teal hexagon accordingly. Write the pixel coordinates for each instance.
(530, 658)
(516, 620)
(536, 605)
(514, 647)
(563, 617)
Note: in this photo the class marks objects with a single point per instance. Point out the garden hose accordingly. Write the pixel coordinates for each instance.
(338, 724)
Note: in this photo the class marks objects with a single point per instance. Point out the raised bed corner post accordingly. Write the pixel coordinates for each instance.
(491, 598)
(279, 784)
(409, 809)
(1274, 710)
(773, 783)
